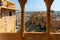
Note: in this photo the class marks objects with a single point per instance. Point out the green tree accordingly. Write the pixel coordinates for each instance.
(52, 11)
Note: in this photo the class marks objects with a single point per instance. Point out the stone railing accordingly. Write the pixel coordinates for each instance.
(48, 7)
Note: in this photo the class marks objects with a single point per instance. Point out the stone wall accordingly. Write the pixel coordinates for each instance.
(8, 24)
(10, 36)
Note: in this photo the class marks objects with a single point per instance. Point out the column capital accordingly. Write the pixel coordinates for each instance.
(22, 2)
(48, 2)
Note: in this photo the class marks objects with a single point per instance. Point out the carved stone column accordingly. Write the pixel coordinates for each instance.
(48, 6)
(22, 4)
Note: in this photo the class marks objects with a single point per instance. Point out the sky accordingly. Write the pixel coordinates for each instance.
(37, 5)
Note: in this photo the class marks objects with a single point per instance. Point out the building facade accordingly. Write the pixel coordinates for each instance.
(7, 16)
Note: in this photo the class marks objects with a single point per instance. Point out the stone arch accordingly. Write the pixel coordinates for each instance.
(48, 6)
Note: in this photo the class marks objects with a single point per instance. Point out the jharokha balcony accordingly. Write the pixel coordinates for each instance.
(34, 26)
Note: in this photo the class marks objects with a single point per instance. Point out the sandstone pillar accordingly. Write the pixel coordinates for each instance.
(22, 4)
(48, 6)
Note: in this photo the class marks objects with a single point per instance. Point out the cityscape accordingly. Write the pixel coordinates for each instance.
(36, 21)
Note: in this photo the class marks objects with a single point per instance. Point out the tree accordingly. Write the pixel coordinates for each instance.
(52, 11)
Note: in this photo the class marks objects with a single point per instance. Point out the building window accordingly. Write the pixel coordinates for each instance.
(0, 3)
(10, 13)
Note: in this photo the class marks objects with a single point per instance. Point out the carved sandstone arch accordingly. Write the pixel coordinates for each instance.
(48, 6)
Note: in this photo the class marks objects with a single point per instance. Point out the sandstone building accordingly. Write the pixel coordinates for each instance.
(7, 16)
